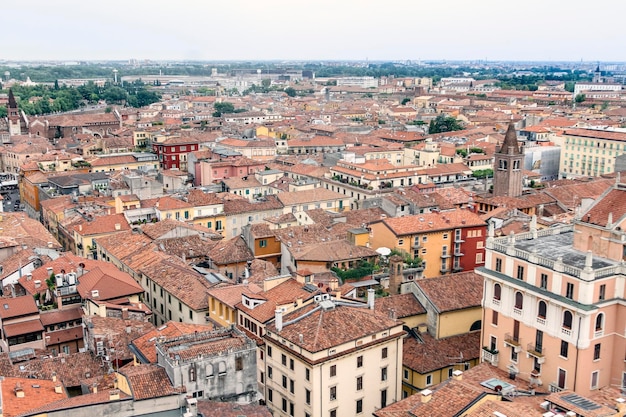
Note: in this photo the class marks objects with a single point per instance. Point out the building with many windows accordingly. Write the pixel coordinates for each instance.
(553, 303)
(332, 358)
(590, 152)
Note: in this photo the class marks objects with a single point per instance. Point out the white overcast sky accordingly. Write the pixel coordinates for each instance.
(313, 30)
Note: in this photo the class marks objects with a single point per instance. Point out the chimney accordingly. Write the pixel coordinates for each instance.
(370, 298)
(80, 227)
(54, 377)
(58, 388)
(19, 392)
(94, 388)
(29, 276)
(114, 394)
(49, 271)
(426, 395)
(457, 375)
(49, 245)
(125, 313)
(278, 321)
(333, 284)
(37, 283)
(118, 226)
(392, 314)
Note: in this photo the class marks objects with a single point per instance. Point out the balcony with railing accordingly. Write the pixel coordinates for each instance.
(554, 387)
(566, 331)
(491, 356)
(513, 341)
(538, 351)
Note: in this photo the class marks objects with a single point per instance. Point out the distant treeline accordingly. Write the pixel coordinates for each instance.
(45, 99)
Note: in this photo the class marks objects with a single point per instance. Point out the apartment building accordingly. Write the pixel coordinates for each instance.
(590, 152)
(332, 358)
(553, 307)
(450, 241)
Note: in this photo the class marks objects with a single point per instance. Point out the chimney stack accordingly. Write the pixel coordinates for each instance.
(370, 298)
(114, 394)
(457, 375)
(426, 395)
(58, 388)
(19, 392)
(278, 319)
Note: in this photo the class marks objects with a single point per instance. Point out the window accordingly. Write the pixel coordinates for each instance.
(400, 242)
(497, 291)
(270, 372)
(359, 361)
(569, 291)
(594, 379)
(333, 370)
(596, 351)
(291, 409)
(602, 294)
(333, 393)
(269, 351)
(514, 355)
(307, 396)
(359, 406)
(520, 272)
(599, 322)
(190, 315)
(359, 383)
(333, 413)
(284, 404)
(498, 264)
(519, 300)
(238, 364)
(192, 373)
(564, 348)
(494, 318)
(542, 309)
(292, 386)
(291, 364)
(429, 379)
(567, 319)
(283, 359)
(538, 341)
(562, 378)
(284, 381)
(405, 374)
(383, 398)
(384, 353)
(383, 374)
(307, 374)
(544, 281)
(263, 243)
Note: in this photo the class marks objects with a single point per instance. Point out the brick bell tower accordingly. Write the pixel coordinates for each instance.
(13, 113)
(508, 162)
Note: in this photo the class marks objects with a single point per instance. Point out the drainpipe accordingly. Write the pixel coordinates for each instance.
(576, 363)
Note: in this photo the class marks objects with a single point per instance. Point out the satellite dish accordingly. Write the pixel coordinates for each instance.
(383, 251)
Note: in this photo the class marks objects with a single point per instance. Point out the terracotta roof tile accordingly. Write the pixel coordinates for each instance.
(432, 354)
(149, 381)
(404, 305)
(454, 291)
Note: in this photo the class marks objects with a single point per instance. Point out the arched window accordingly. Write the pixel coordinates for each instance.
(599, 322)
(192, 373)
(476, 325)
(209, 371)
(519, 300)
(567, 319)
(542, 309)
(497, 291)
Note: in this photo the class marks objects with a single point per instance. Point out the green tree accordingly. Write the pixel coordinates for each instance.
(405, 100)
(580, 98)
(223, 107)
(3, 111)
(291, 92)
(443, 123)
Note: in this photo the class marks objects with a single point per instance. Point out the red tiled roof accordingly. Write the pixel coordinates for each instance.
(22, 327)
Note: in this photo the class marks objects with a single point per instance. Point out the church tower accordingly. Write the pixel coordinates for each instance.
(507, 175)
(597, 75)
(15, 122)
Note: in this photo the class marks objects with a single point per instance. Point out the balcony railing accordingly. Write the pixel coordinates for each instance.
(598, 333)
(554, 387)
(513, 340)
(517, 311)
(495, 301)
(566, 332)
(538, 351)
(491, 356)
(541, 321)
